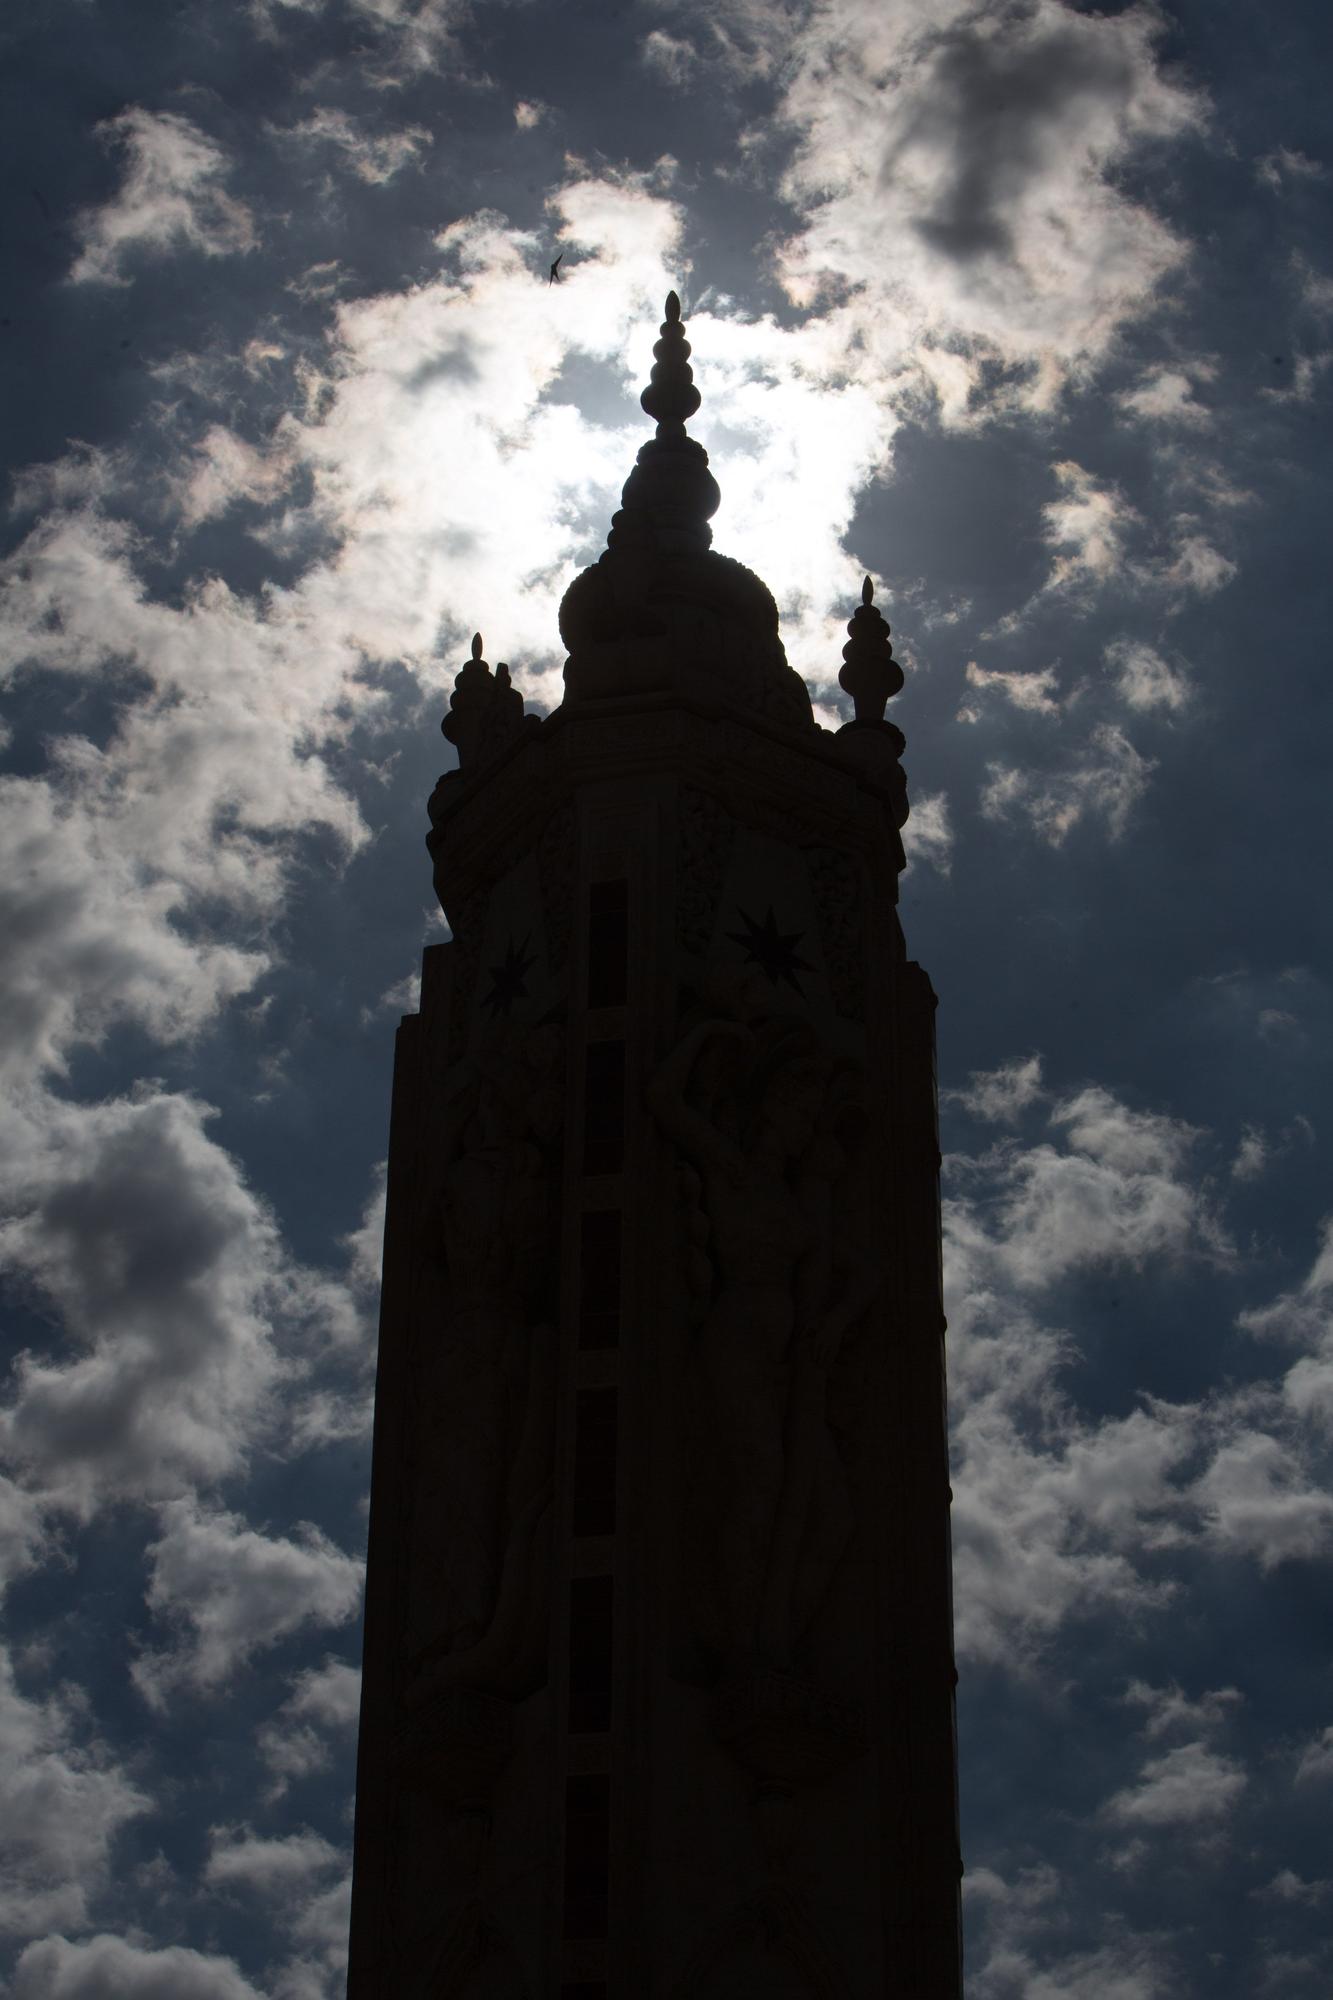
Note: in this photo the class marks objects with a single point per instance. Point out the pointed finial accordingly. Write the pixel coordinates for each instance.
(671, 396)
(484, 709)
(870, 673)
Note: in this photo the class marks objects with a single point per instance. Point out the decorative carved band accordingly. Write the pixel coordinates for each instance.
(787, 1731)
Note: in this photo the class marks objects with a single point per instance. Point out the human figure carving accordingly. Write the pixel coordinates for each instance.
(488, 1487)
(785, 1294)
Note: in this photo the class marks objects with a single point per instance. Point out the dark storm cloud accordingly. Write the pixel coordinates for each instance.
(1001, 111)
(168, 1274)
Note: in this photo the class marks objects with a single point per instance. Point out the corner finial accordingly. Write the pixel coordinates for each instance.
(870, 673)
(484, 709)
(671, 396)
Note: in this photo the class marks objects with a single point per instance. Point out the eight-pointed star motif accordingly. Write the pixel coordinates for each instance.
(509, 981)
(771, 949)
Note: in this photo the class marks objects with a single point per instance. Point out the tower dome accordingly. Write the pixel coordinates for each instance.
(661, 608)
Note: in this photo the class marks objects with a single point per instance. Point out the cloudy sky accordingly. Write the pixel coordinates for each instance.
(1024, 307)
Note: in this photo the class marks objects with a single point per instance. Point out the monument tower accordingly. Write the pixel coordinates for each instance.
(658, 1696)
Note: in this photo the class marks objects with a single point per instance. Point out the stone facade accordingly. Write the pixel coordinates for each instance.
(658, 1689)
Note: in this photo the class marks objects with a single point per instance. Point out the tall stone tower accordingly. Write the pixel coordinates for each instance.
(658, 1697)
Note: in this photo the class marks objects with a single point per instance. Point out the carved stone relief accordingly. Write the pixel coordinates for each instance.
(470, 1957)
(770, 1946)
(775, 690)
(707, 830)
(836, 879)
(765, 1952)
(483, 1484)
(767, 1125)
(555, 863)
(467, 918)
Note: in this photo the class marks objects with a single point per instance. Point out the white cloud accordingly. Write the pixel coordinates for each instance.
(670, 57)
(414, 36)
(324, 1702)
(986, 148)
(183, 819)
(365, 1244)
(231, 1592)
(1087, 525)
(374, 156)
(92, 932)
(527, 115)
(1002, 1095)
(1058, 1512)
(1316, 1760)
(1131, 1971)
(1132, 1141)
(171, 1276)
(1287, 163)
(1144, 679)
(1104, 781)
(172, 194)
(1304, 1318)
(1166, 396)
(319, 1930)
(1253, 1155)
(25, 1540)
(1119, 1192)
(403, 997)
(1316, 292)
(65, 1798)
(86, 474)
(329, 1695)
(1037, 691)
(1169, 1708)
(111, 1968)
(1195, 567)
(928, 836)
(1307, 370)
(226, 468)
(1261, 1500)
(1093, 529)
(272, 1869)
(1053, 1512)
(1187, 1786)
(290, 1875)
(1288, 1887)
(1022, 1925)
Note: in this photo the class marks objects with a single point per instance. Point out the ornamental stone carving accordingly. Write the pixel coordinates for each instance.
(768, 1126)
(835, 877)
(555, 864)
(707, 830)
(483, 1490)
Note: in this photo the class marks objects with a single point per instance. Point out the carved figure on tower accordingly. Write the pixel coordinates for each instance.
(767, 1121)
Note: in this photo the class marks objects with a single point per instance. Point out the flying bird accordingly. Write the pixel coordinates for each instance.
(555, 278)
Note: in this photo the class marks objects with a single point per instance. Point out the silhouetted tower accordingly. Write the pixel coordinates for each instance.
(658, 1671)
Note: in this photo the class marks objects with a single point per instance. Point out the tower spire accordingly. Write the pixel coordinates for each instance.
(670, 496)
(870, 674)
(671, 396)
(661, 608)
